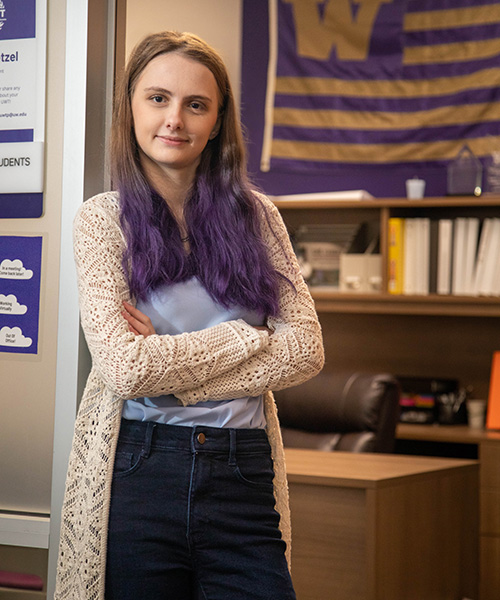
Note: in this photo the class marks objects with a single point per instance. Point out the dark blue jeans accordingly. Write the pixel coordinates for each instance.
(192, 516)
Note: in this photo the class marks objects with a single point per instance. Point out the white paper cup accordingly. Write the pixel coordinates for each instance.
(476, 413)
(415, 188)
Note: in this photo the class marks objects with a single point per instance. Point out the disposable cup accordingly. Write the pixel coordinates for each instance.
(476, 413)
(415, 188)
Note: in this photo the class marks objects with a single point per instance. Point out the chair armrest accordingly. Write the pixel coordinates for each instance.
(344, 403)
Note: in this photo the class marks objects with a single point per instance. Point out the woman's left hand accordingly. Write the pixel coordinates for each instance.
(138, 322)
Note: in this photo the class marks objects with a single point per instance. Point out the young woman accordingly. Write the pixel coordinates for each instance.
(194, 309)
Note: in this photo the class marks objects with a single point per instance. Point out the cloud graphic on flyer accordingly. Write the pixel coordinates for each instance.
(10, 306)
(14, 337)
(14, 269)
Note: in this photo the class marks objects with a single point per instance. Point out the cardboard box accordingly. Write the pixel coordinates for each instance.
(361, 273)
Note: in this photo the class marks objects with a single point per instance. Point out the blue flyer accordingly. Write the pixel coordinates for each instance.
(20, 266)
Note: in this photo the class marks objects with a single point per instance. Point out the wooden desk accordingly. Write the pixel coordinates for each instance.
(382, 527)
(459, 434)
(486, 446)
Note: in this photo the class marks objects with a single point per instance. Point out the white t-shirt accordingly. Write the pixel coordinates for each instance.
(185, 307)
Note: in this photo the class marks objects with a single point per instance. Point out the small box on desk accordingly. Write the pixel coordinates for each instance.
(361, 273)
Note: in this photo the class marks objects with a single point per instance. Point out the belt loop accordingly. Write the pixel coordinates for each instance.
(148, 439)
(232, 447)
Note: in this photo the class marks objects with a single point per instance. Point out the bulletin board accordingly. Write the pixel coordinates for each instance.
(22, 107)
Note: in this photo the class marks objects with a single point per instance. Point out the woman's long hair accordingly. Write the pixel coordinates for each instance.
(227, 253)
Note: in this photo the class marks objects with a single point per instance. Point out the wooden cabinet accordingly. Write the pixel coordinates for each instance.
(435, 335)
(460, 440)
(489, 455)
(382, 527)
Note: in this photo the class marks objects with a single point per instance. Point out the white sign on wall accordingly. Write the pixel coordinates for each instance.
(22, 107)
(21, 167)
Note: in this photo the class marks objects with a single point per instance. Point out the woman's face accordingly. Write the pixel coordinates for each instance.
(175, 112)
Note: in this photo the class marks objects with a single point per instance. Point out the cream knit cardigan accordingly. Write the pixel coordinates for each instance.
(227, 361)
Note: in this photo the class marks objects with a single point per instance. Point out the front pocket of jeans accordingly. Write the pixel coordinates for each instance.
(126, 463)
(255, 470)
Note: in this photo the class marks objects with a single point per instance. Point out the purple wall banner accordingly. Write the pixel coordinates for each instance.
(357, 92)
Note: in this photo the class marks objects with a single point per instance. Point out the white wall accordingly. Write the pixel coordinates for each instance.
(218, 22)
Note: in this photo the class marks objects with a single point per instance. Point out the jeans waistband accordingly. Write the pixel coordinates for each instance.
(194, 439)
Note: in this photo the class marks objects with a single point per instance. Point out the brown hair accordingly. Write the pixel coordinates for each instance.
(227, 251)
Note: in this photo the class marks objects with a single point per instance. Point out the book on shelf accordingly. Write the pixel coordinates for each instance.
(416, 253)
(423, 254)
(488, 257)
(396, 264)
(464, 255)
(472, 237)
(409, 257)
(445, 252)
(458, 263)
(459, 256)
(433, 255)
(496, 279)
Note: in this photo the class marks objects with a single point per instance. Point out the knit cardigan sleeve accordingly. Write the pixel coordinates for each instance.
(133, 366)
(295, 352)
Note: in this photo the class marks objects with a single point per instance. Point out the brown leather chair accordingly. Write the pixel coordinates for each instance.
(355, 412)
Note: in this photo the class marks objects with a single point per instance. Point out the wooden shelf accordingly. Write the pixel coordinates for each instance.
(378, 203)
(459, 434)
(331, 300)
(21, 594)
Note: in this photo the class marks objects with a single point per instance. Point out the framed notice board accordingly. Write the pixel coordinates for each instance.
(22, 107)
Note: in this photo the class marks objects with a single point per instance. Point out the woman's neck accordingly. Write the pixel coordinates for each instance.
(173, 186)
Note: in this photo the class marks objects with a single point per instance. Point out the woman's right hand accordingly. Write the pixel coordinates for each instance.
(264, 328)
(138, 322)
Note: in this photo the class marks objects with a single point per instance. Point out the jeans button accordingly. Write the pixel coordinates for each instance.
(201, 438)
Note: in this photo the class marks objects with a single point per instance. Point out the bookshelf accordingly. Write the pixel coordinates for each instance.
(378, 212)
(414, 335)
(384, 303)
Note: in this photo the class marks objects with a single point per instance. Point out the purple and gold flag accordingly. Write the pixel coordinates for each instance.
(381, 82)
